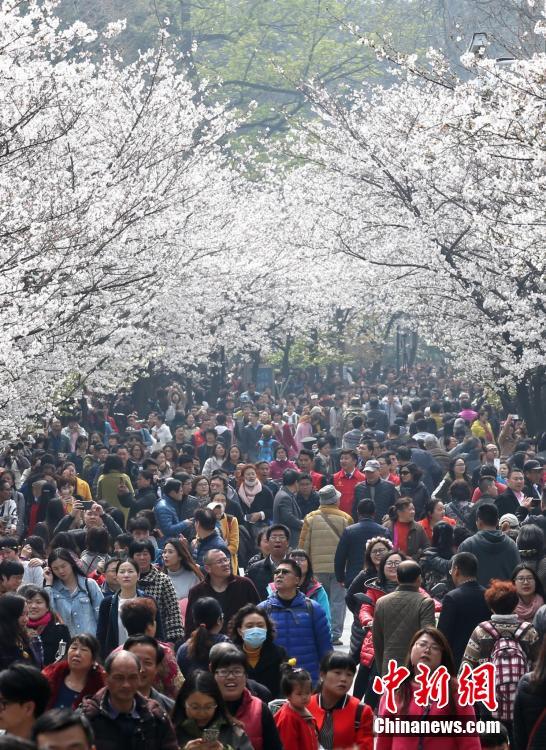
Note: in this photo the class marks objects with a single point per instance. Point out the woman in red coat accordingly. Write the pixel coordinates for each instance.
(428, 647)
(76, 676)
(343, 722)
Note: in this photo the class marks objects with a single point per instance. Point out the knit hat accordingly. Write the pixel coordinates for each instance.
(512, 520)
(328, 495)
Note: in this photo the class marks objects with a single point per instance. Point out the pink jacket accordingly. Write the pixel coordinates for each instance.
(449, 742)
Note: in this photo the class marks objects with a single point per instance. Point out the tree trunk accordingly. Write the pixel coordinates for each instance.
(285, 366)
(531, 401)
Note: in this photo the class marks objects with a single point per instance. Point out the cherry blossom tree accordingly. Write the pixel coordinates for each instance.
(433, 190)
(109, 175)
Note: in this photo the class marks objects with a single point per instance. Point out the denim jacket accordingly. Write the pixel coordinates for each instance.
(79, 611)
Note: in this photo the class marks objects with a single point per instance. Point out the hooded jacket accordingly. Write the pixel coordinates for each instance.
(497, 554)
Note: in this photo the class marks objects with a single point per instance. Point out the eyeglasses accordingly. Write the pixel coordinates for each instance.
(526, 579)
(392, 564)
(282, 572)
(235, 672)
(426, 646)
(378, 551)
(404, 472)
(275, 538)
(201, 709)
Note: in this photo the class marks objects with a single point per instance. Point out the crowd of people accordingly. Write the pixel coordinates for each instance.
(181, 578)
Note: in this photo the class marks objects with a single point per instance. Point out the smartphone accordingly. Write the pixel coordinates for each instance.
(87, 504)
(210, 734)
(515, 417)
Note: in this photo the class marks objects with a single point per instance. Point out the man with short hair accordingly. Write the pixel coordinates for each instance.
(161, 432)
(378, 414)
(382, 492)
(307, 497)
(464, 607)
(159, 586)
(346, 480)
(300, 623)
(285, 507)
(398, 616)
(250, 434)
(207, 535)
(497, 554)
(24, 695)
(63, 729)
(261, 572)
(151, 655)
(513, 499)
(33, 570)
(118, 712)
(533, 472)
(352, 438)
(84, 520)
(11, 575)
(168, 511)
(230, 591)
(305, 463)
(322, 529)
(349, 556)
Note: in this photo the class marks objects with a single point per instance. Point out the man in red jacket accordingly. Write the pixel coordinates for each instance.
(346, 480)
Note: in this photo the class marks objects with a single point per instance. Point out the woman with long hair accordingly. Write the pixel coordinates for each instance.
(15, 643)
(216, 461)
(407, 535)
(110, 630)
(343, 722)
(97, 547)
(529, 590)
(530, 543)
(436, 560)
(434, 514)
(429, 648)
(256, 500)
(137, 453)
(529, 726)
(178, 564)
(251, 630)
(456, 472)
(200, 706)
(76, 675)
(194, 654)
(200, 489)
(411, 486)
(110, 481)
(234, 457)
(384, 583)
(44, 623)
(75, 598)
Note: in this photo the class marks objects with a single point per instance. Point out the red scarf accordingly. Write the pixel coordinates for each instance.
(40, 623)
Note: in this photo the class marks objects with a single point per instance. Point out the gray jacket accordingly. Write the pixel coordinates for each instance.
(398, 616)
(286, 510)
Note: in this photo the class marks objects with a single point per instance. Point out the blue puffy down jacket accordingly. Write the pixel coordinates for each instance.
(302, 629)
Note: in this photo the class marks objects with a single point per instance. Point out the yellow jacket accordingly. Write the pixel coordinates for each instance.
(229, 528)
(319, 539)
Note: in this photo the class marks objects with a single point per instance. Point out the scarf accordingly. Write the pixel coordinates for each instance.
(247, 492)
(40, 623)
(526, 612)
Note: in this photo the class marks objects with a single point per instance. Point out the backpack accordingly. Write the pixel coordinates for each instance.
(511, 663)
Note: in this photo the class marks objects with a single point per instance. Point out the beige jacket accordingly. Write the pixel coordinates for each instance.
(319, 539)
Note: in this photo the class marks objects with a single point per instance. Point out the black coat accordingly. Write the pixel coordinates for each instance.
(261, 574)
(528, 708)
(383, 494)
(349, 557)
(51, 636)
(419, 494)
(462, 609)
(267, 670)
(507, 502)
